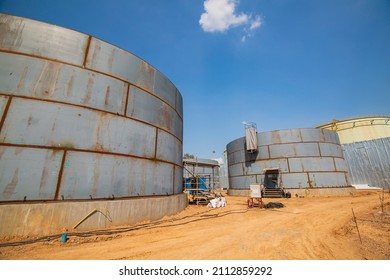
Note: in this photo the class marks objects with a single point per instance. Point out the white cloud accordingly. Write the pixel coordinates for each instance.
(256, 23)
(220, 15)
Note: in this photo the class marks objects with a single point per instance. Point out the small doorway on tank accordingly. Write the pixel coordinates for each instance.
(271, 178)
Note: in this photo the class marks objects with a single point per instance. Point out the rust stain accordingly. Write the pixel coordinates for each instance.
(96, 177)
(44, 178)
(107, 97)
(99, 124)
(294, 149)
(111, 60)
(89, 89)
(146, 76)
(131, 99)
(165, 117)
(46, 82)
(95, 54)
(22, 80)
(9, 190)
(275, 136)
(69, 86)
(14, 29)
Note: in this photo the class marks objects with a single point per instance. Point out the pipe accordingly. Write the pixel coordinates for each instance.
(83, 219)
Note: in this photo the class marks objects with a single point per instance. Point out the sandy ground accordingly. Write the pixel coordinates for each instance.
(314, 228)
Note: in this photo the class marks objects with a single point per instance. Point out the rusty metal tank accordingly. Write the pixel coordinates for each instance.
(81, 119)
(305, 158)
(366, 145)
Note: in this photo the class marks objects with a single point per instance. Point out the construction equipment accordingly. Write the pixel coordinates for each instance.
(197, 191)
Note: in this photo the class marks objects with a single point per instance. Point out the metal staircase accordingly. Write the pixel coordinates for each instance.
(273, 193)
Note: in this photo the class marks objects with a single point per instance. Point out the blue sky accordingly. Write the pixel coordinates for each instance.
(280, 64)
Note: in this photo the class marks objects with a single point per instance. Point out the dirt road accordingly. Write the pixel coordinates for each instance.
(305, 229)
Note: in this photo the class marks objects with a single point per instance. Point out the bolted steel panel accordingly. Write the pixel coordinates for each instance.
(332, 150)
(230, 159)
(242, 182)
(236, 145)
(41, 39)
(294, 150)
(331, 136)
(179, 103)
(48, 124)
(279, 136)
(259, 166)
(341, 165)
(178, 182)
(112, 60)
(27, 173)
(169, 148)
(236, 170)
(312, 135)
(38, 78)
(324, 179)
(244, 156)
(146, 77)
(262, 153)
(146, 107)
(90, 176)
(311, 164)
(295, 180)
(165, 89)
(238, 156)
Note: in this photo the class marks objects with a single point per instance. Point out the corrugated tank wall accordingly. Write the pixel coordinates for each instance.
(369, 162)
(366, 147)
(306, 158)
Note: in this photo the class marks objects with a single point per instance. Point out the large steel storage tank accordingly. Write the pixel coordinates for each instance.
(366, 146)
(83, 125)
(301, 161)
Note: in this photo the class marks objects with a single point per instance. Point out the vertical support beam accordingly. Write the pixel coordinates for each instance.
(87, 51)
(5, 112)
(173, 179)
(60, 176)
(127, 98)
(155, 145)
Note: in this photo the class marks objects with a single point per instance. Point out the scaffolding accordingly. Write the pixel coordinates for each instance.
(200, 179)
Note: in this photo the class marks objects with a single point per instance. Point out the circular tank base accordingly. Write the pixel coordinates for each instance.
(41, 219)
(309, 192)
